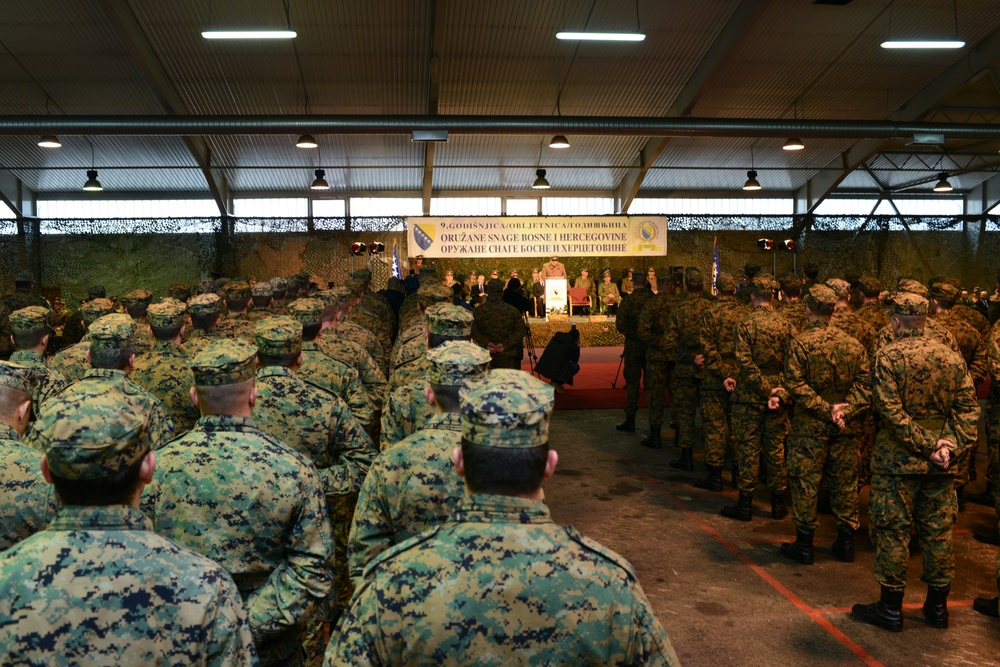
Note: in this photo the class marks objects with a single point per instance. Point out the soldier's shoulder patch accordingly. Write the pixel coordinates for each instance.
(402, 547)
(604, 552)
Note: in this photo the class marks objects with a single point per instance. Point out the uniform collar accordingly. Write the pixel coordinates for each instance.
(271, 371)
(26, 355)
(167, 346)
(487, 508)
(446, 421)
(105, 373)
(819, 324)
(100, 517)
(209, 423)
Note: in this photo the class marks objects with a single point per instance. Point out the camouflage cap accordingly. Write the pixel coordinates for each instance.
(302, 278)
(92, 436)
(207, 286)
(751, 270)
(454, 362)
(445, 319)
(204, 304)
(942, 290)
(96, 308)
(24, 277)
(180, 291)
(907, 303)
(278, 336)
(114, 331)
(137, 297)
(434, 292)
(355, 286)
(912, 286)
(692, 278)
(724, 282)
(223, 361)
(96, 292)
(261, 289)
(16, 376)
(508, 409)
(238, 289)
(333, 296)
(168, 313)
(494, 287)
(789, 280)
(869, 285)
(306, 311)
(363, 274)
(763, 283)
(279, 284)
(821, 299)
(840, 287)
(32, 318)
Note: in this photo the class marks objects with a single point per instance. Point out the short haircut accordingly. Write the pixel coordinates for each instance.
(117, 489)
(25, 340)
(223, 399)
(283, 360)
(114, 358)
(310, 331)
(166, 333)
(792, 290)
(446, 397)
(236, 304)
(947, 304)
(10, 398)
(263, 300)
(911, 321)
(638, 280)
(23, 283)
(435, 340)
(204, 320)
(137, 310)
(504, 471)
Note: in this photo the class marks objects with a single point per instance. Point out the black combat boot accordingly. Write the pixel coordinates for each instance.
(628, 426)
(801, 549)
(987, 535)
(685, 462)
(843, 546)
(936, 606)
(653, 439)
(714, 480)
(778, 509)
(734, 469)
(742, 510)
(987, 606)
(887, 613)
(984, 497)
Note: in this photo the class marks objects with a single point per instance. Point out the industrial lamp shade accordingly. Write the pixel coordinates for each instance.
(943, 185)
(319, 183)
(793, 145)
(559, 141)
(752, 183)
(92, 184)
(540, 183)
(358, 248)
(50, 141)
(306, 141)
(375, 247)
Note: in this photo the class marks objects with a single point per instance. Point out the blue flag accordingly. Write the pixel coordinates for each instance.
(397, 270)
(716, 268)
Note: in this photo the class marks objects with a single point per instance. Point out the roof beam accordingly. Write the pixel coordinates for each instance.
(16, 195)
(134, 39)
(979, 59)
(981, 199)
(684, 103)
(437, 44)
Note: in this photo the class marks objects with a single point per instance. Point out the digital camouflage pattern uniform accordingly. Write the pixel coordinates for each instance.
(554, 597)
(823, 367)
(350, 331)
(762, 339)
(429, 295)
(45, 382)
(652, 325)
(98, 586)
(20, 298)
(717, 337)
(499, 323)
(71, 362)
(923, 393)
(237, 325)
(634, 364)
(414, 486)
(197, 339)
(233, 493)
(355, 356)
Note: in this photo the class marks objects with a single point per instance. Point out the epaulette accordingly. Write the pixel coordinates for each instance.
(397, 549)
(607, 554)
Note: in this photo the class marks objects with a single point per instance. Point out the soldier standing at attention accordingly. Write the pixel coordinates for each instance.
(762, 339)
(826, 375)
(165, 372)
(260, 296)
(237, 323)
(553, 594)
(234, 494)
(135, 304)
(498, 327)
(717, 338)
(929, 412)
(554, 269)
(204, 311)
(335, 304)
(21, 297)
(634, 354)
(659, 363)
(27, 504)
(71, 362)
(413, 486)
(31, 329)
(98, 586)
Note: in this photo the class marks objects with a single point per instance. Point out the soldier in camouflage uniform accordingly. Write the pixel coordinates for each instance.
(407, 409)
(413, 349)
(762, 339)
(98, 586)
(991, 606)
(929, 416)
(634, 354)
(315, 423)
(554, 593)
(26, 500)
(204, 312)
(413, 486)
(844, 317)
(659, 364)
(871, 311)
(791, 305)
(135, 305)
(931, 328)
(234, 494)
(165, 372)
(826, 376)
(21, 297)
(717, 338)
(347, 330)
(372, 311)
(31, 329)
(347, 352)
(71, 362)
(499, 327)
(279, 290)
(237, 323)
(260, 295)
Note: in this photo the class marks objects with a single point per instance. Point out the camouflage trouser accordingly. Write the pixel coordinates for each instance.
(900, 503)
(810, 460)
(757, 429)
(864, 429)
(715, 424)
(656, 384)
(684, 402)
(633, 366)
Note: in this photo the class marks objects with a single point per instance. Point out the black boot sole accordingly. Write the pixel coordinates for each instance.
(866, 614)
(788, 550)
(936, 620)
(841, 555)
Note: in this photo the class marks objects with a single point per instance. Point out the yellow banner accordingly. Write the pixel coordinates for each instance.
(563, 236)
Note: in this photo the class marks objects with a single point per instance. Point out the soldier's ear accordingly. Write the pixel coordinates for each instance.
(22, 411)
(194, 397)
(45, 471)
(456, 457)
(550, 464)
(429, 393)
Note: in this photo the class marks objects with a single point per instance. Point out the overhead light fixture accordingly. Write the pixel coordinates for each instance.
(429, 135)
(943, 185)
(50, 141)
(92, 184)
(540, 183)
(602, 36)
(789, 245)
(249, 34)
(306, 141)
(559, 141)
(358, 248)
(376, 247)
(923, 44)
(752, 183)
(319, 183)
(765, 244)
(793, 145)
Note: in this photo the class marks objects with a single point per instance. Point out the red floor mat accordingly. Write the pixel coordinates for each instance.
(591, 388)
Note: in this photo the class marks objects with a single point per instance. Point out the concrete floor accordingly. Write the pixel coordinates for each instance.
(720, 588)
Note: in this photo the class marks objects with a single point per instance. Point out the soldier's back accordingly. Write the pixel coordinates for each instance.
(627, 320)
(47, 381)
(165, 373)
(71, 362)
(27, 501)
(406, 412)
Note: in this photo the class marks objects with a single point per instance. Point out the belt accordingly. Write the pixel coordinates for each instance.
(932, 423)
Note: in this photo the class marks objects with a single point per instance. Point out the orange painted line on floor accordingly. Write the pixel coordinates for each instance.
(805, 608)
(909, 605)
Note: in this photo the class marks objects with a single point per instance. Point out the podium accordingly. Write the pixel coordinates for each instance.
(555, 295)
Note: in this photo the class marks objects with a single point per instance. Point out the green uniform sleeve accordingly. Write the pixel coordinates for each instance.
(371, 529)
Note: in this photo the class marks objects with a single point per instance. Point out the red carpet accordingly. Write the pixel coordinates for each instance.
(591, 388)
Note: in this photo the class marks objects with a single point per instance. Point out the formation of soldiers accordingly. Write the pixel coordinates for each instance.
(828, 387)
(267, 473)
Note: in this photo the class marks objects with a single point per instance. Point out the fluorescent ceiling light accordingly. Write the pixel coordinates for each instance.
(249, 34)
(922, 44)
(602, 36)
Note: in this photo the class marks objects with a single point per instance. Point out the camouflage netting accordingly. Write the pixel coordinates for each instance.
(124, 254)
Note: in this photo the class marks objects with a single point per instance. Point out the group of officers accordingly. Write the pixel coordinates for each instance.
(833, 386)
(261, 472)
